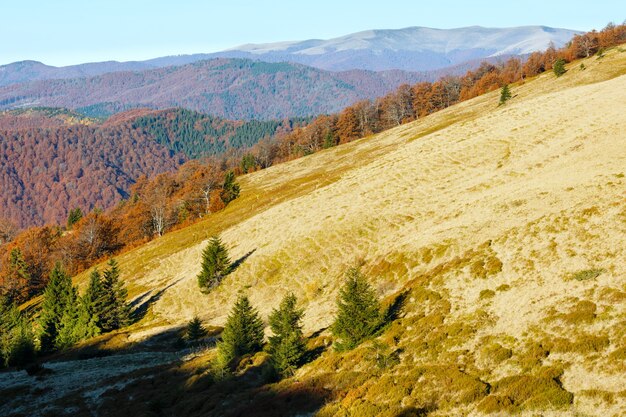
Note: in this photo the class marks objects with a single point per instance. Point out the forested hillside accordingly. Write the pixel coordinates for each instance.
(229, 88)
(62, 163)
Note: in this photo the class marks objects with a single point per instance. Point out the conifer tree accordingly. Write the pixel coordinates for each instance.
(91, 305)
(17, 347)
(195, 330)
(358, 315)
(56, 296)
(559, 67)
(505, 94)
(70, 330)
(243, 333)
(115, 312)
(286, 346)
(215, 264)
(230, 189)
(74, 217)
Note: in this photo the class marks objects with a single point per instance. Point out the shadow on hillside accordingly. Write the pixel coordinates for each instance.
(162, 375)
(394, 309)
(237, 263)
(413, 412)
(140, 305)
(177, 389)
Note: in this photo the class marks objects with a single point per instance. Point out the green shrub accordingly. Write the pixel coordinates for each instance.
(587, 274)
(487, 294)
(525, 392)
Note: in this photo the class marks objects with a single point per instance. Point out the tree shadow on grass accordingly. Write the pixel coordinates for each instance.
(140, 305)
(394, 309)
(237, 263)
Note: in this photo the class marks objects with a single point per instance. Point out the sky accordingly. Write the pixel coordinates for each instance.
(65, 32)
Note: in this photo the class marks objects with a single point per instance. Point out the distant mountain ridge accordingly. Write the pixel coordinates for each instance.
(408, 49)
(228, 88)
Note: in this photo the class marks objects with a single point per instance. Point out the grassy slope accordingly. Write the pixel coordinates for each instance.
(484, 214)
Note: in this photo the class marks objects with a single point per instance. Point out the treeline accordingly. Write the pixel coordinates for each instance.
(410, 102)
(155, 206)
(64, 318)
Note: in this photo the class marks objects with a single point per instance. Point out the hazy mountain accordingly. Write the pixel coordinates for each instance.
(230, 88)
(410, 49)
(24, 71)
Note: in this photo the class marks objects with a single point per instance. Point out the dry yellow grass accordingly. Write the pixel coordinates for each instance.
(514, 199)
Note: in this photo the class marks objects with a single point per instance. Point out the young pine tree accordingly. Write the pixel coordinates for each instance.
(505, 94)
(559, 67)
(17, 347)
(74, 216)
(70, 329)
(243, 333)
(115, 312)
(286, 346)
(215, 264)
(91, 305)
(195, 330)
(230, 189)
(56, 296)
(358, 315)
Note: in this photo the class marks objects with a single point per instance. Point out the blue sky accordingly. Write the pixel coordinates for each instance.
(64, 32)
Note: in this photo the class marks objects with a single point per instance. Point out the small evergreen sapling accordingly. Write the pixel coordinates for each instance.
(195, 330)
(230, 189)
(92, 305)
(358, 315)
(17, 347)
(74, 217)
(559, 67)
(215, 264)
(56, 296)
(505, 94)
(115, 311)
(286, 346)
(242, 334)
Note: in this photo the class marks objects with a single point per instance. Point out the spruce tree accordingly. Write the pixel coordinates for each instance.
(215, 264)
(56, 296)
(17, 347)
(230, 189)
(358, 315)
(115, 312)
(91, 305)
(559, 67)
(286, 346)
(74, 217)
(70, 330)
(242, 334)
(505, 94)
(195, 330)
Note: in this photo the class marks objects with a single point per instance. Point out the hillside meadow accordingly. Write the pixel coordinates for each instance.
(499, 230)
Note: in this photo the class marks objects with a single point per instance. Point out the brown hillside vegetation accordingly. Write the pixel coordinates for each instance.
(504, 229)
